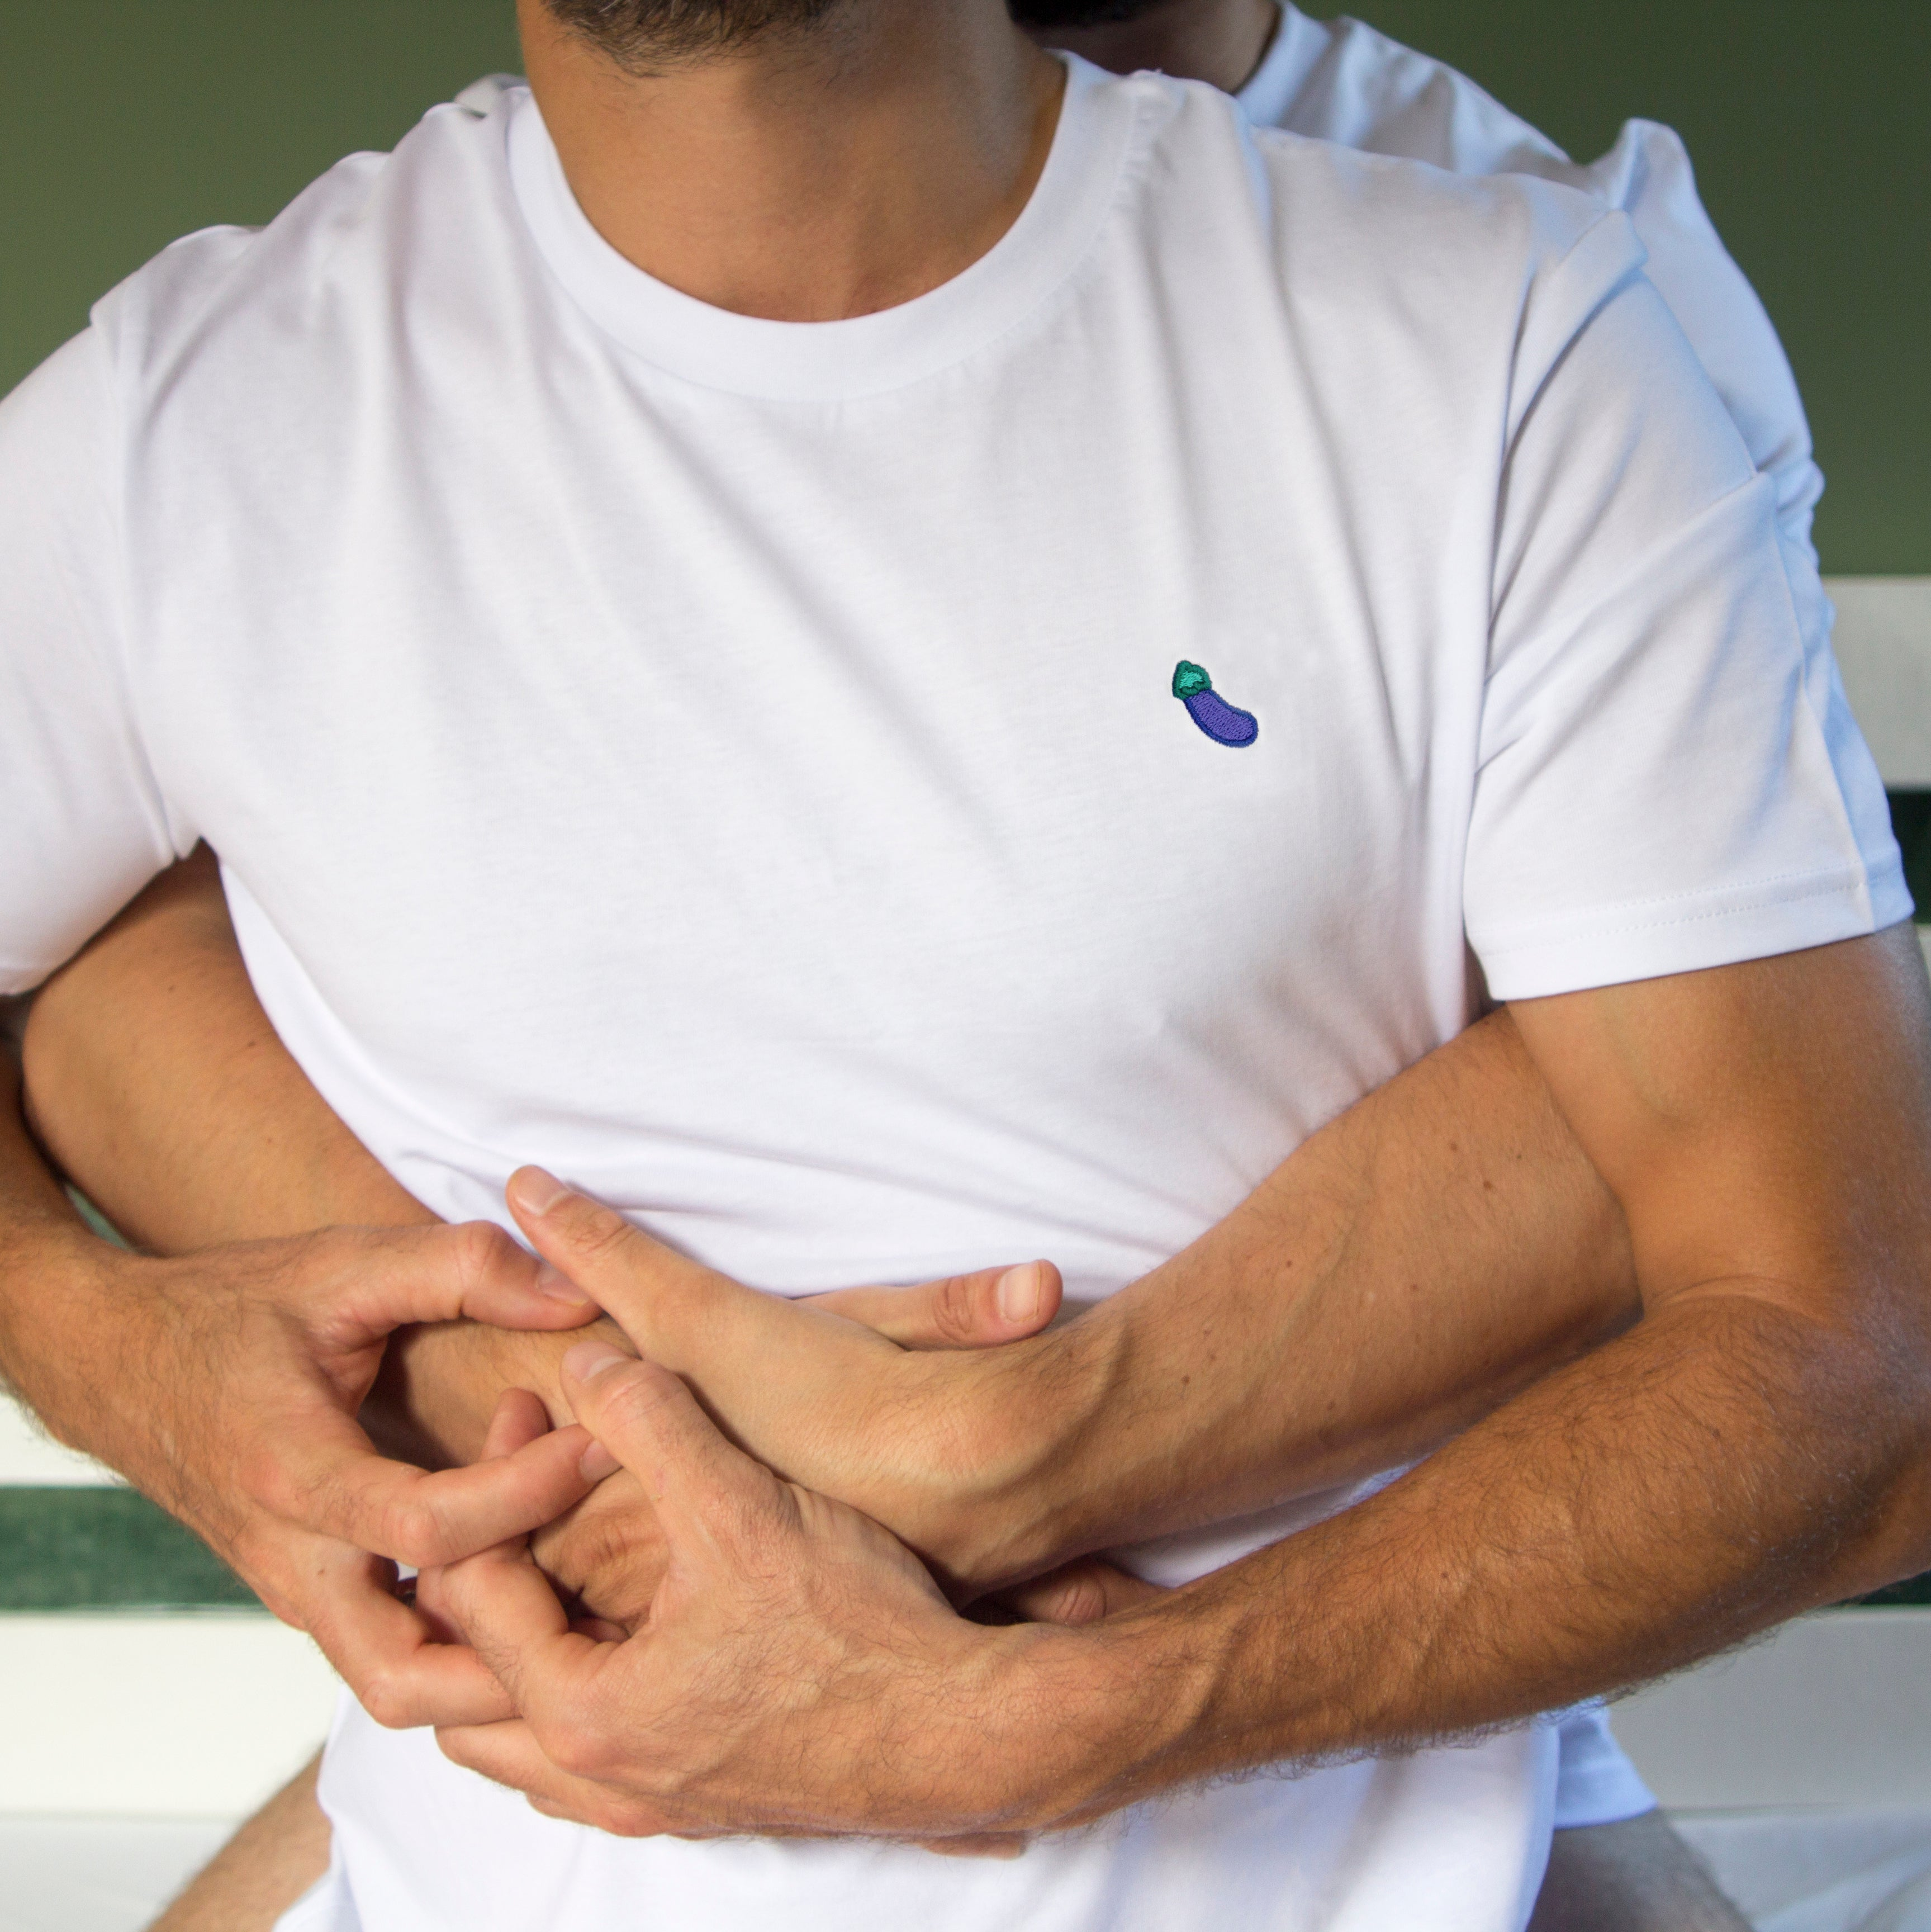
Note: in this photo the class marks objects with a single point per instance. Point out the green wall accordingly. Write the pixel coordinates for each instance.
(1810, 127)
(124, 123)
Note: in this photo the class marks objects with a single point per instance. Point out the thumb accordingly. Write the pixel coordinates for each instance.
(982, 1310)
(360, 1285)
(707, 1492)
(648, 1289)
(1086, 1590)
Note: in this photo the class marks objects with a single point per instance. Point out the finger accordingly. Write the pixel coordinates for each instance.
(650, 1289)
(388, 1278)
(331, 1481)
(509, 1754)
(431, 1607)
(963, 1311)
(704, 1489)
(502, 1604)
(520, 1420)
(391, 1657)
(1083, 1592)
(606, 1557)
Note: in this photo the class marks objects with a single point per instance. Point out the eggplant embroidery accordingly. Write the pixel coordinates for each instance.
(1225, 724)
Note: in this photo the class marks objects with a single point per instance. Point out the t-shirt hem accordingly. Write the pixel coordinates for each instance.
(1693, 933)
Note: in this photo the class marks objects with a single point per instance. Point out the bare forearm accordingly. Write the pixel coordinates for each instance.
(1411, 1266)
(1437, 1249)
(74, 1311)
(1757, 1445)
(155, 1077)
(46, 1258)
(156, 1082)
(1630, 1513)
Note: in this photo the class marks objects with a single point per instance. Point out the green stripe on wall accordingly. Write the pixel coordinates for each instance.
(111, 1550)
(106, 1549)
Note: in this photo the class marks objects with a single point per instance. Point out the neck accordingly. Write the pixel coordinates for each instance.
(835, 173)
(1221, 41)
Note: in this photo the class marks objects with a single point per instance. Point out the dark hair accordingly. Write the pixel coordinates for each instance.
(643, 33)
(1047, 13)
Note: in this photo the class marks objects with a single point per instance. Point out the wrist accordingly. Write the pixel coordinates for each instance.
(1014, 1502)
(440, 1383)
(1083, 1722)
(61, 1287)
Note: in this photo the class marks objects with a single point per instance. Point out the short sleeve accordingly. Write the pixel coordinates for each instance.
(1661, 786)
(1595, 1782)
(84, 825)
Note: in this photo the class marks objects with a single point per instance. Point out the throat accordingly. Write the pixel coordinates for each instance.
(815, 179)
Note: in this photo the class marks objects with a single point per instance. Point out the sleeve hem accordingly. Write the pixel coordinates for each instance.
(1689, 934)
(1610, 1797)
(1595, 1782)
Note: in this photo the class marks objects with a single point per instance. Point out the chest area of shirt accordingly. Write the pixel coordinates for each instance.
(908, 722)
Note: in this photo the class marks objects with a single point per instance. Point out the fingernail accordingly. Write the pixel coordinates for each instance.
(553, 1283)
(598, 1463)
(535, 1192)
(589, 1360)
(1018, 1293)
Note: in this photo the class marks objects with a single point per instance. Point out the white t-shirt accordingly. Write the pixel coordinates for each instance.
(760, 771)
(1341, 80)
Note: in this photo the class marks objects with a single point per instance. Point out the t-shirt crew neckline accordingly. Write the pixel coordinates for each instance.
(866, 354)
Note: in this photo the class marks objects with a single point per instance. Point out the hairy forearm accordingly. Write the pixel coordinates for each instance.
(71, 1309)
(1412, 1265)
(1631, 1513)
(1440, 1246)
(1757, 1445)
(156, 1081)
(46, 1255)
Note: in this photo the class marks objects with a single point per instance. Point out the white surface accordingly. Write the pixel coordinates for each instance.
(1833, 1710)
(1859, 1871)
(1850, 1871)
(28, 1457)
(97, 1874)
(184, 1716)
(1884, 650)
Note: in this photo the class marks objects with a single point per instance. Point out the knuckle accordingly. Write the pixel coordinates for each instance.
(616, 1545)
(631, 1820)
(1085, 1601)
(632, 1397)
(478, 1248)
(954, 1309)
(387, 1700)
(595, 1231)
(1079, 1598)
(416, 1532)
(265, 1479)
(580, 1751)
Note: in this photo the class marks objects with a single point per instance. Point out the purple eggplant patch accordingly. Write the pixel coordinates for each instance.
(1225, 724)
